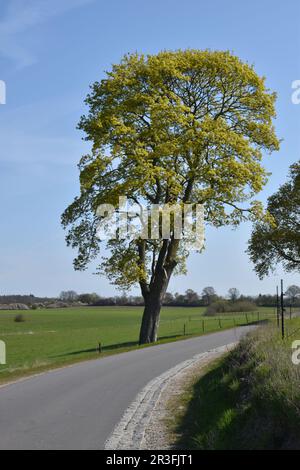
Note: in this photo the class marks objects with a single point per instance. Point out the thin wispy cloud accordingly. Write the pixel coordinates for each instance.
(21, 16)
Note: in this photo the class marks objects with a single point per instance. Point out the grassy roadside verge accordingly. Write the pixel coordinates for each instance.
(249, 399)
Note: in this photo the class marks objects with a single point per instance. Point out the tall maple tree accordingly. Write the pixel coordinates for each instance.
(182, 127)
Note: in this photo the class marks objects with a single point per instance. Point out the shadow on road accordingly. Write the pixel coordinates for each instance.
(111, 347)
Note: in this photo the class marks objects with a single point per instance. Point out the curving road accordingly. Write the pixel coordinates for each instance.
(79, 406)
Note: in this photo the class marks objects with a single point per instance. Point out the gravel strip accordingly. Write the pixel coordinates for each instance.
(142, 424)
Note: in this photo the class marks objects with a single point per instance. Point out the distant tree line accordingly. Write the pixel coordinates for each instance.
(188, 299)
(29, 299)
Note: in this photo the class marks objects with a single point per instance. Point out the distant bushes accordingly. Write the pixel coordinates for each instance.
(19, 318)
(224, 306)
(14, 307)
(23, 299)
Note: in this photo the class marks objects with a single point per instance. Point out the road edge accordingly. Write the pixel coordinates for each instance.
(129, 432)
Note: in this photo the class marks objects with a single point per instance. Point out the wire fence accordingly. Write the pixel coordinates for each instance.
(201, 325)
(289, 332)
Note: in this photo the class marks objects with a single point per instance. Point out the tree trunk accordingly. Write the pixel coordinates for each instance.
(154, 296)
(150, 321)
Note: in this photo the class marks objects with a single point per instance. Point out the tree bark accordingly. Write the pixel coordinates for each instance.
(154, 293)
(153, 303)
(150, 321)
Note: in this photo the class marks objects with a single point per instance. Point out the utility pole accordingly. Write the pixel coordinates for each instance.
(277, 307)
(282, 310)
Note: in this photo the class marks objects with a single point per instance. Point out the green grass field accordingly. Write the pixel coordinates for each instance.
(53, 338)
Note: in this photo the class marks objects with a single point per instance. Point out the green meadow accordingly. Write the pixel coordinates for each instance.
(52, 338)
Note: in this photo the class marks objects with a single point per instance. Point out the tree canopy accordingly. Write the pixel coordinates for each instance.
(233, 294)
(278, 240)
(293, 293)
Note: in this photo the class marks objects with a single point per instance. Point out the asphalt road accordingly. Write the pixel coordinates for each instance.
(79, 406)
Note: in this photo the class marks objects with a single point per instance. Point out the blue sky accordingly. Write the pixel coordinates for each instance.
(50, 52)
